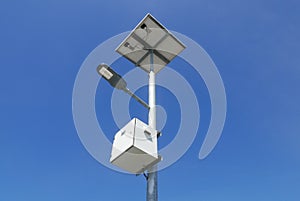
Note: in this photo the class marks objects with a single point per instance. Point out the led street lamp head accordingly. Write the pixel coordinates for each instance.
(111, 76)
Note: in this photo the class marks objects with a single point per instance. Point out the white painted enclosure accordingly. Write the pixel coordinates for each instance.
(135, 147)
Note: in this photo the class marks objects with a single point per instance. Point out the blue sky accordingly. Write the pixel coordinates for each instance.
(255, 45)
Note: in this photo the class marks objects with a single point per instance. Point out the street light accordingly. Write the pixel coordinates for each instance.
(115, 80)
(151, 47)
(111, 76)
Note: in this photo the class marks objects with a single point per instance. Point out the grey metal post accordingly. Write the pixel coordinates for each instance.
(152, 173)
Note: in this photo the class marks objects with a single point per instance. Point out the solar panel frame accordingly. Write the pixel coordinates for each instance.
(149, 35)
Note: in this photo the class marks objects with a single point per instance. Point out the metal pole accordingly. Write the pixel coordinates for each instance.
(152, 173)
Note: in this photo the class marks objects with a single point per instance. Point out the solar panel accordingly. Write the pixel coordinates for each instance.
(150, 36)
